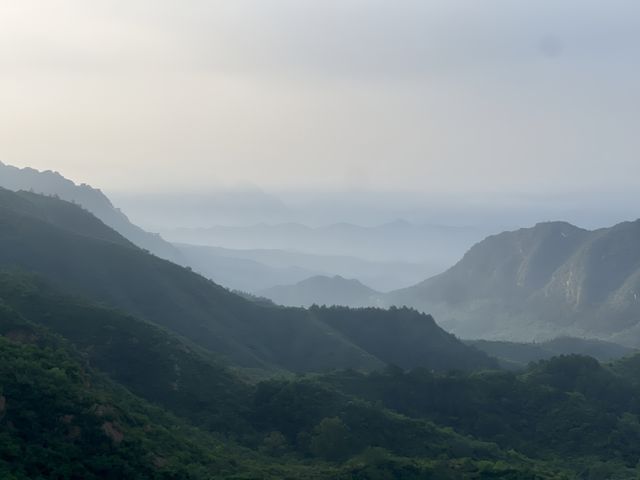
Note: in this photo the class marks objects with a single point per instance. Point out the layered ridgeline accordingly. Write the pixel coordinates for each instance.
(87, 391)
(60, 417)
(77, 381)
(323, 290)
(64, 411)
(78, 253)
(247, 270)
(541, 282)
(513, 355)
(92, 199)
(258, 269)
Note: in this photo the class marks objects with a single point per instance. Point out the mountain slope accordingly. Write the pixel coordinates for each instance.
(518, 355)
(549, 280)
(148, 360)
(412, 339)
(59, 418)
(156, 290)
(322, 290)
(52, 183)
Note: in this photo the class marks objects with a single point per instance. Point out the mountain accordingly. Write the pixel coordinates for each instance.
(83, 256)
(557, 408)
(550, 280)
(152, 363)
(238, 269)
(322, 290)
(434, 247)
(257, 269)
(89, 391)
(242, 269)
(93, 200)
(518, 355)
(61, 417)
(411, 339)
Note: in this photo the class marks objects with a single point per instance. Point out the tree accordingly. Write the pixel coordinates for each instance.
(274, 444)
(331, 439)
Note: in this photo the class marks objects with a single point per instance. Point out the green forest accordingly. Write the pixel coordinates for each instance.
(118, 364)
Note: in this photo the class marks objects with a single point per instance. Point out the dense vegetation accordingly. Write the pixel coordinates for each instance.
(116, 364)
(514, 356)
(60, 418)
(345, 424)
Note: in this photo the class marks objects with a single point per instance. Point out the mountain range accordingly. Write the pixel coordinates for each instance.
(538, 283)
(323, 290)
(92, 199)
(236, 267)
(553, 279)
(434, 246)
(116, 363)
(259, 269)
(544, 281)
(77, 252)
(514, 355)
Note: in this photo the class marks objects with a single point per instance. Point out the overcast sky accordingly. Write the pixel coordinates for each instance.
(412, 95)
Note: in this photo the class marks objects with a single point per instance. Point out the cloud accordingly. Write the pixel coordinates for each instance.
(407, 94)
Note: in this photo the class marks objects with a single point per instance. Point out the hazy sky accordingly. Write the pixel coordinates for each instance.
(438, 95)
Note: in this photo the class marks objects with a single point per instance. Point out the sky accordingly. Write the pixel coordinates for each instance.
(439, 96)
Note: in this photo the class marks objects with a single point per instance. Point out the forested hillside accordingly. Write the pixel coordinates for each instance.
(118, 364)
(76, 382)
(539, 283)
(84, 256)
(70, 408)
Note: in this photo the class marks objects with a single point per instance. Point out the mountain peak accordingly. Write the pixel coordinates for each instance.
(92, 199)
(550, 279)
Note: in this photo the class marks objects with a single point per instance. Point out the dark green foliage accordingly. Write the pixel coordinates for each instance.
(59, 420)
(514, 355)
(146, 359)
(411, 340)
(568, 406)
(331, 440)
(87, 391)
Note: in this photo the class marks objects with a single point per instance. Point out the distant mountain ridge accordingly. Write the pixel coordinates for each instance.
(532, 284)
(549, 280)
(323, 290)
(92, 199)
(248, 270)
(519, 355)
(437, 246)
(257, 269)
(81, 255)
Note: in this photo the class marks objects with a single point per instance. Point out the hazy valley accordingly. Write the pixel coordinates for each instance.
(330, 240)
(196, 349)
